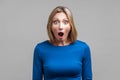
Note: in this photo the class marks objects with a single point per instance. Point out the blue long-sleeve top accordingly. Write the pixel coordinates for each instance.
(70, 62)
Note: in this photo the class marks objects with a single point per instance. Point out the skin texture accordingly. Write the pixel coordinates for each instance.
(61, 24)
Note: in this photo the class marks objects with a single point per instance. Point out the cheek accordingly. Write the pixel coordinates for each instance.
(54, 29)
(68, 29)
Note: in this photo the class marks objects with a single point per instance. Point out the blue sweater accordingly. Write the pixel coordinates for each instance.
(70, 62)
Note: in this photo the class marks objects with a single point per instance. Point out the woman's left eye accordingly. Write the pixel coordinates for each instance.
(65, 22)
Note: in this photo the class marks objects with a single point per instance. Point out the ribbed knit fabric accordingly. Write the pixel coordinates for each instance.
(70, 62)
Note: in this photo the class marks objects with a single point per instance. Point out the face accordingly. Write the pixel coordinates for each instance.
(61, 27)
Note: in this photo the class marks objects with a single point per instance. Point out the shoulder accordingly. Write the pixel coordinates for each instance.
(81, 43)
(85, 47)
(41, 44)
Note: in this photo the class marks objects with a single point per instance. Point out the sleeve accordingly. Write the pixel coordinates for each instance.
(86, 65)
(37, 65)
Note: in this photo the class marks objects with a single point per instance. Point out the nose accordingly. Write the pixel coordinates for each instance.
(61, 26)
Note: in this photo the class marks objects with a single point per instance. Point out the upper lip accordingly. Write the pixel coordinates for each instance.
(60, 32)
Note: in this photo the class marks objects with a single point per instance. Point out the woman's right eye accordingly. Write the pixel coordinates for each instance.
(55, 22)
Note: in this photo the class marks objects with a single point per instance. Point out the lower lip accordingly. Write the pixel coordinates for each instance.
(60, 36)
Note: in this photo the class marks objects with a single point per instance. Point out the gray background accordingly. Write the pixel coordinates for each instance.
(23, 25)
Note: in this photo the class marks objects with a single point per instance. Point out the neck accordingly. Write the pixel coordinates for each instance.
(61, 43)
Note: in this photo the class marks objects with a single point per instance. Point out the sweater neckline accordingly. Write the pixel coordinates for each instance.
(59, 46)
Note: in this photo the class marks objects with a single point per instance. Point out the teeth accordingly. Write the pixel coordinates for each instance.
(60, 33)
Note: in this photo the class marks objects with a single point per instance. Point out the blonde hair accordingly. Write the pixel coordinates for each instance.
(72, 34)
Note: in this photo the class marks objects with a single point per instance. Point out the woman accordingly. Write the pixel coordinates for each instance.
(62, 57)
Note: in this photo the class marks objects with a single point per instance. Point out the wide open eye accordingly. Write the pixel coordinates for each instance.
(65, 22)
(55, 22)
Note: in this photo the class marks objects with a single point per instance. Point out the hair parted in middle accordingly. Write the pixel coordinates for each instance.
(72, 36)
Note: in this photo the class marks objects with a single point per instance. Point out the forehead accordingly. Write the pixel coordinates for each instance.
(60, 15)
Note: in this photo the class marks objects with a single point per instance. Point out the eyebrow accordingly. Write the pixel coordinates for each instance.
(58, 19)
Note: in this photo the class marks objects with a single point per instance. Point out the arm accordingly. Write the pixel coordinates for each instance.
(37, 65)
(87, 67)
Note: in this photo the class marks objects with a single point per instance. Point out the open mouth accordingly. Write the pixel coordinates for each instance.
(61, 34)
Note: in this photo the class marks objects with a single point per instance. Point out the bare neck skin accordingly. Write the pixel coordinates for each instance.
(61, 43)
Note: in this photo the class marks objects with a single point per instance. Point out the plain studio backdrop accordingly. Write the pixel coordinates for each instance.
(23, 25)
